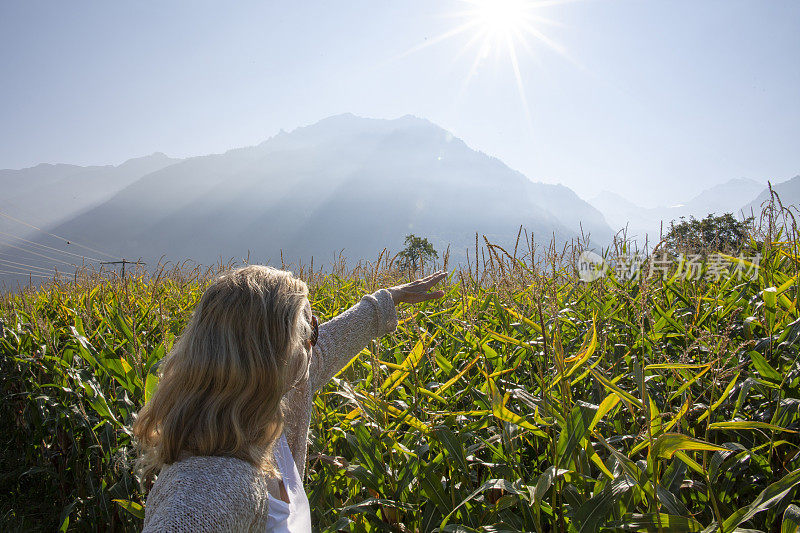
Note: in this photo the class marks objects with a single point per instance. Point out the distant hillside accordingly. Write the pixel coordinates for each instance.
(642, 221)
(46, 194)
(788, 192)
(346, 184)
(723, 198)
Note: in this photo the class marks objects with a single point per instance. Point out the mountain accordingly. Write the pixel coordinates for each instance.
(621, 212)
(345, 184)
(647, 221)
(723, 198)
(46, 194)
(788, 192)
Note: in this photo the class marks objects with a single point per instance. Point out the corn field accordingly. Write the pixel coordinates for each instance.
(524, 400)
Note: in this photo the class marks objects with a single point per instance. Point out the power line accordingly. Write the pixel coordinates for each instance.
(41, 272)
(50, 247)
(28, 274)
(41, 255)
(32, 267)
(57, 236)
(60, 277)
(45, 265)
(26, 248)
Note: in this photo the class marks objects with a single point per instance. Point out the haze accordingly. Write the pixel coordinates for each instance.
(655, 101)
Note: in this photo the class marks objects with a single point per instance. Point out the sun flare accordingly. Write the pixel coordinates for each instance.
(499, 18)
(497, 29)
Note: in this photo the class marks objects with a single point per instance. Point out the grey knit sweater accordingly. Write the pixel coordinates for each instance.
(206, 494)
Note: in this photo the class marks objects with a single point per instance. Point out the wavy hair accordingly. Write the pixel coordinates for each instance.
(221, 385)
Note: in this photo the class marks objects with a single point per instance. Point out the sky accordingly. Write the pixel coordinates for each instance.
(653, 100)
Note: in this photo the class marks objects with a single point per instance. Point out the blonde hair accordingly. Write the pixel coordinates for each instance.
(221, 384)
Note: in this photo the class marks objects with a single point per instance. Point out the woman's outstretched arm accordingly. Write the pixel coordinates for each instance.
(343, 337)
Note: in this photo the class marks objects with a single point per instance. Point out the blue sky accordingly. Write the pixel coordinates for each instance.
(655, 100)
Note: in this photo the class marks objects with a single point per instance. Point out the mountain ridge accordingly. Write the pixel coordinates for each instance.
(345, 182)
(726, 197)
(47, 194)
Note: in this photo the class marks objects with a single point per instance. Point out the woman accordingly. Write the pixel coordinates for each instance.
(226, 431)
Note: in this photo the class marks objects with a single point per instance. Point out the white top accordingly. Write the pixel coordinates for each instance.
(295, 516)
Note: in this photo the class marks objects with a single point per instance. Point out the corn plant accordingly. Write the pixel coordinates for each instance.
(524, 400)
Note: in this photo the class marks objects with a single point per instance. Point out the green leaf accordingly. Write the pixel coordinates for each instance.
(150, 384)
(770, 295)
(722, 398)
(608, 403)
(667, 444)
(747, 424)
(545, 481)
(630, 468)
(457, 528)
(574, 431)
(443, 362)
(656, 523)
(367, 478)
(370, 504)
(590, 516)
(673, 476)
(577, 360)
(455, 448)
(613, 387)
(65, 513)
(502, 412)
(411, 361)
(490, 484)
(791, 519)
(432, 488)
(133, 508)
(98, 401)
(768, 497)
(764, 368)
(118, 317)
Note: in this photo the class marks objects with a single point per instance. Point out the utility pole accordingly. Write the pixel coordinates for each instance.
(123, 263)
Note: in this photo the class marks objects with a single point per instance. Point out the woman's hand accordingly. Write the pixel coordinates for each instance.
(417, 291)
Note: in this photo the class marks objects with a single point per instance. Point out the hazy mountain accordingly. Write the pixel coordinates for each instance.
(788, 192)
(345, 184)
(46, 194)
(723, 198)
(620, 212)
(726, 197)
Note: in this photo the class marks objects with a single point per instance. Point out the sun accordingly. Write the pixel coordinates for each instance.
(499, 18)
(497, 29)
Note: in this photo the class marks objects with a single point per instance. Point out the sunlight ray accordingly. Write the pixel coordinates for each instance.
(444, 36)
(546, 21)
(469, 45)
(484, 49)
(518, 77)
(501, 29)
(544, 38)
(559, 49)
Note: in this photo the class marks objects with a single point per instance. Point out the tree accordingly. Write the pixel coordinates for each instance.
(714, 233)
(417, 251)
